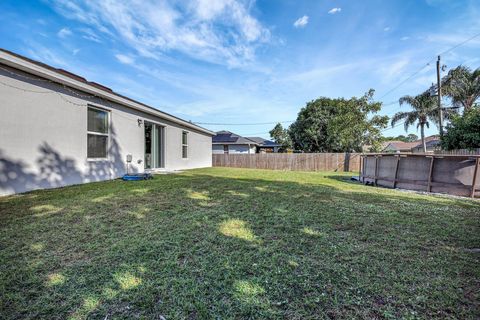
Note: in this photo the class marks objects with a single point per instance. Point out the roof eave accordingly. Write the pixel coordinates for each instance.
(21, 64)
(239, 143)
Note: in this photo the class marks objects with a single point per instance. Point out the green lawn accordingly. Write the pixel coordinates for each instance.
(233, 243)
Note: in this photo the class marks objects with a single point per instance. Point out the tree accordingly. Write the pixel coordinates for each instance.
(425, 109)
(462, 86)
(409, 138)
(399, 138)
(280, 136)
(337, 125)
(463, 132)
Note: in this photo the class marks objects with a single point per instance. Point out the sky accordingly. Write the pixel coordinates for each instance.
(248, 62)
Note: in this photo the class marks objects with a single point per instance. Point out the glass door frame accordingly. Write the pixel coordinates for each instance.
(157, 145)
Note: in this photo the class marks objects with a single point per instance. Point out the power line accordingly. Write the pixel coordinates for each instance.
(407, 79)
(445, 107)
(242, 124)
(459, 44)
(383, 96)
(261, 123)
(390, 128)
(389, 103)
(252, 134)
(264, 123)
(427, 64)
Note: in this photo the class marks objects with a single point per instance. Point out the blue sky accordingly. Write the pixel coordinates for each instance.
(234, 61)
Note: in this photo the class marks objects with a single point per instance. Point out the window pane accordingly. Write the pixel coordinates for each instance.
(97, 146)
(97, 121)
(184, 137)
(184, 152)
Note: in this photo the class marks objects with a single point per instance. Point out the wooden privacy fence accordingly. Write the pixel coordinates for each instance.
(290, 161)
(459, 151)
(451, 174)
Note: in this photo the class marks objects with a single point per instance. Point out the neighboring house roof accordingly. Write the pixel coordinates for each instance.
(383, 146)
(264, 142)
(400, 145)
(431, 142)
(74, 81)
(227, 137)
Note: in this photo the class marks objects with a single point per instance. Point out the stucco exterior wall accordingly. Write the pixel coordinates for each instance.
(241, 148)
(43, 137)
(233, 148)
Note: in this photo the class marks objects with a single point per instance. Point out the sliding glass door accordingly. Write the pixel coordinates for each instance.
(154, 146)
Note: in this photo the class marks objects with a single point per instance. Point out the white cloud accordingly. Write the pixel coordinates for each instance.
(217, 31)
(452, 39)
(124, 59)
(335, 10)
(404, 38)
(322, 72)
(64, 32)
(45, 55)
(386, 29)
(89, 34)
(396, 69)
(301, 22)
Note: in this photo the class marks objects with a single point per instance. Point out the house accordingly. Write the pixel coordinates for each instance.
(432, 143)
(397, 146)
(59, 129)
(226, 142)
(264, 145)
(366, 148)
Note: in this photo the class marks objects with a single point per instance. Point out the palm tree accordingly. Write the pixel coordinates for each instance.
(425, 109)
(463, 86)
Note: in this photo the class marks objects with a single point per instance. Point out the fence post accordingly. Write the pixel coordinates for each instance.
(346, 162)
(395, 178)
(360, 171)
(376, 171)
(364, 168)
(429, 185)
(474, 182)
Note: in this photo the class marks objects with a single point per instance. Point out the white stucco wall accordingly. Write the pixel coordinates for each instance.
(233, 149)
(43, 138)
(240, 148)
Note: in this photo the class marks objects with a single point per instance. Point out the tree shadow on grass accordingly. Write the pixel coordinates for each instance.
(203, 246)
(52, 169)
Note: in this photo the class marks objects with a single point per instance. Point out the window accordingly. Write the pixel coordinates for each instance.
(184, 144)
(225, 148)
(97, 133)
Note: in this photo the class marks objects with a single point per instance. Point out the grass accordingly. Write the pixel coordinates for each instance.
(232, 243)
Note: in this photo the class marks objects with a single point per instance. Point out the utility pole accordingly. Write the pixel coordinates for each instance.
(439, 96)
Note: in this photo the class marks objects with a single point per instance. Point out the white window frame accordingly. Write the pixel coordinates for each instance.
(186, 144)
(98, 133)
